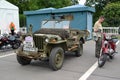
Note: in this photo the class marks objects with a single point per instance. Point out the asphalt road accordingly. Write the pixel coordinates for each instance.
(74, 68)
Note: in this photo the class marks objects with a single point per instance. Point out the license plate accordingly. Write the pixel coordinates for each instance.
(28, 46)
(29, 49)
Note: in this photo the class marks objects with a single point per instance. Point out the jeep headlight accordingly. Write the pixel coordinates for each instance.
(51, 39)
(46, 40)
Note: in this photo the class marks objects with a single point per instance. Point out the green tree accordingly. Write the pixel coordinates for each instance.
(26, 5)
(112, 14)
(99, 6)
(100, 3)
(53, 3)
(74, 2)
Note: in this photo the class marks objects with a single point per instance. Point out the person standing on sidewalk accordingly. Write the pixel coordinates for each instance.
(12, 28)
(97, 31)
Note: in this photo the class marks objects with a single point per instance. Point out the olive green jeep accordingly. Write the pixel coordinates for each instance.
(51, 42)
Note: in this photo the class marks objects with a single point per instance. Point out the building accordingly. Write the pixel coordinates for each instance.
(8, 13)
(80, 15)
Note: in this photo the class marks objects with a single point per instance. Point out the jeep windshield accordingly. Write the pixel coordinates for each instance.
(54, 24)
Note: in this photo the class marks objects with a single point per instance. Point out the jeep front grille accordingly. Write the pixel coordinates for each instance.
(39, 42)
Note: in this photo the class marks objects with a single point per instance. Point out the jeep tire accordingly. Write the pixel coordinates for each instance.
(56, 58)
(79, 51)
(22, 60)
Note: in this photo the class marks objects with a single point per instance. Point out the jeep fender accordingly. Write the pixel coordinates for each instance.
(61, 44)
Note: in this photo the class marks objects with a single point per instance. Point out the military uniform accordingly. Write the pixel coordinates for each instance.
(97, 33)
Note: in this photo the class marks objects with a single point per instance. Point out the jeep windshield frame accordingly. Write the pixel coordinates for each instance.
(56, 24)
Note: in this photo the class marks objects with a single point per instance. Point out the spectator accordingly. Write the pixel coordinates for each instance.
(97, 30)
(12, 28)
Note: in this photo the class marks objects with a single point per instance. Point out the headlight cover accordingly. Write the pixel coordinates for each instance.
(51, 39)
(46, 40)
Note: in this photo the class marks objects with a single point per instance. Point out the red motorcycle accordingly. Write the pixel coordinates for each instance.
(108, 49)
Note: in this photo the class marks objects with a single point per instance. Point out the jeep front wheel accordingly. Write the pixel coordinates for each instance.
(56, 58)
(22, 60)
(79, 51)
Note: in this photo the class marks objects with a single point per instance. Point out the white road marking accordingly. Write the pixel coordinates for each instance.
(89, 71)
(7, 55)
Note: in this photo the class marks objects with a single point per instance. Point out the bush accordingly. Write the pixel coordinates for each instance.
(112, 14)
(22, 20)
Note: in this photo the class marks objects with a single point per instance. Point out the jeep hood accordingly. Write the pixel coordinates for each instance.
(49, 36)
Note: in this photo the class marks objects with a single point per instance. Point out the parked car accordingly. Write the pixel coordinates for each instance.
(51, 42)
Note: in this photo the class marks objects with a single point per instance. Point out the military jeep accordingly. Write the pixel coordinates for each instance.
(51, 42)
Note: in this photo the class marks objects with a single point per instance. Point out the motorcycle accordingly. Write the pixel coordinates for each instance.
(7, 41)
(108, 49)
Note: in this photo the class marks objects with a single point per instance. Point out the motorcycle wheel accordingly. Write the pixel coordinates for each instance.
(101, 60)
(16, 45)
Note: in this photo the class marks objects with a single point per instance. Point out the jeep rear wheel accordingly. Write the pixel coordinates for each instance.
(56, 58)
(22, 60)
(79, 52)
